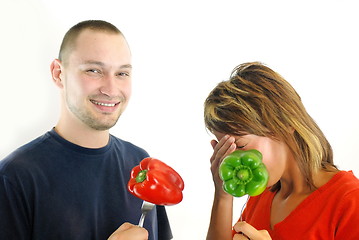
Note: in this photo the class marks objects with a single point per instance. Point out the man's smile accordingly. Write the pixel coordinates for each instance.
(104, 104)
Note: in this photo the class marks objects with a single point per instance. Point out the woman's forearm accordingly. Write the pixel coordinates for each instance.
(220, 226)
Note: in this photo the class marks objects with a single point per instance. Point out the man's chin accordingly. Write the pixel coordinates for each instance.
(102, 126)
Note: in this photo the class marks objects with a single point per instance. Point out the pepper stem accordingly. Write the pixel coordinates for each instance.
(244, 174)
(141, 176)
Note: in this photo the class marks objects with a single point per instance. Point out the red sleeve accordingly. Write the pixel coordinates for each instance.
(347, 225)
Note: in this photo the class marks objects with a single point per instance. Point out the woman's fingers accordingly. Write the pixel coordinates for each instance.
(222, 148)
(249, 232)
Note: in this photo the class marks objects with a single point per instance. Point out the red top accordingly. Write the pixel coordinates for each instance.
(330, 212)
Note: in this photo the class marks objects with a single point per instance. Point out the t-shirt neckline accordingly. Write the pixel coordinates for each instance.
(77, 148)
(306, 201)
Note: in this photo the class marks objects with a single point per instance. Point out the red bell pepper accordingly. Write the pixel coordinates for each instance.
(156, 182)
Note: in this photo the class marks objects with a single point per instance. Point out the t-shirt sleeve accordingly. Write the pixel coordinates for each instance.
(14, 222)
(347, 225)
(164, 229)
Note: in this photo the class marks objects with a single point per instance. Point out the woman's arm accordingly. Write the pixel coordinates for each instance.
(220, 226)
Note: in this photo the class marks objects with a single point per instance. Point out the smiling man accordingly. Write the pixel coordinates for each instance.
(93, 73)
(71, 182)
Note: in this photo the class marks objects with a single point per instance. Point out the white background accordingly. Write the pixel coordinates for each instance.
(181, 50)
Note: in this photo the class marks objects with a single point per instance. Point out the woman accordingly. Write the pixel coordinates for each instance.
(307, 196)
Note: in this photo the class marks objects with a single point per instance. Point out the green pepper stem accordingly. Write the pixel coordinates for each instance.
(244, 174)
(141, 176)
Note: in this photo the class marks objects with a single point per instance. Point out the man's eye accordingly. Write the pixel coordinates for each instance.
(93, 71)
(123, 74)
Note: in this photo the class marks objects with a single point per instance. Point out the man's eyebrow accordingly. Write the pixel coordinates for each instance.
(102, 64)
(126, 66)
(94, 63)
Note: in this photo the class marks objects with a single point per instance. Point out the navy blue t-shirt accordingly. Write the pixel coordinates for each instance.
(53, 189)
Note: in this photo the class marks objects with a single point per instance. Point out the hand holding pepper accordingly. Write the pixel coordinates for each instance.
(243, 173)
(156, 182)
(129, 231)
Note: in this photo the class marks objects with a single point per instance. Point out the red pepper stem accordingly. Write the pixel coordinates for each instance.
(141, 176)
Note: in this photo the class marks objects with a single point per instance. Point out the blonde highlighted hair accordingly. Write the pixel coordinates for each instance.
(256, 100)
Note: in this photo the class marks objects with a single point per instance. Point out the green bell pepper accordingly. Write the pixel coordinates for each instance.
(243, 172)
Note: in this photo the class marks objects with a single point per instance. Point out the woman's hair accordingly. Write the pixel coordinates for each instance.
(256, 100)
(69, 40)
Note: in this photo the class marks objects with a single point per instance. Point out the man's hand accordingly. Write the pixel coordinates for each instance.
(247, 231)
(128, 231)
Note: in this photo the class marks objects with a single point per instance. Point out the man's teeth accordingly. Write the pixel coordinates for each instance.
(104, 104)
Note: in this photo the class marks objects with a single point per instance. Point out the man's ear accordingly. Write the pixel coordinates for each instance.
(56, 70)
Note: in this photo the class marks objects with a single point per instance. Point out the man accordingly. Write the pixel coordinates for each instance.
(71, 182)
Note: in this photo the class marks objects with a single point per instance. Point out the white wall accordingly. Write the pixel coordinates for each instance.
(181, 50)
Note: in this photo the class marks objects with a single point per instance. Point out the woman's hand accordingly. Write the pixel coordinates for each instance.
(225, 146)
(128, 231)
(247, 231)
(220, 226)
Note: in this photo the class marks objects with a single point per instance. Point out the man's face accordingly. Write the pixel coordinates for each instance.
(97, 79)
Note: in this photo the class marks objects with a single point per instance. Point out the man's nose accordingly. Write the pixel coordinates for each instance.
(109, 86)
